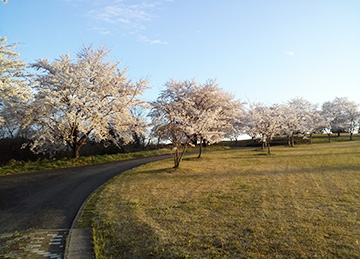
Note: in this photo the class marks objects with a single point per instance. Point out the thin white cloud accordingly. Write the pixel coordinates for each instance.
(290, 53)
(101, 30)
(132, 14)
(74, 1)
(147, 40)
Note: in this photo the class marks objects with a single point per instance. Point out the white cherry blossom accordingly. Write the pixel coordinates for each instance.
(80, 99)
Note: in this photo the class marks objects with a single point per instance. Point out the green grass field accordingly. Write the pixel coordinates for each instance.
(301, 202)
(17, 167)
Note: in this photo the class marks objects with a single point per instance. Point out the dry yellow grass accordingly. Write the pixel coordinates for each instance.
(301, 202)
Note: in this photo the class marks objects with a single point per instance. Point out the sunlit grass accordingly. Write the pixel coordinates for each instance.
(301, 202)
(324, 138)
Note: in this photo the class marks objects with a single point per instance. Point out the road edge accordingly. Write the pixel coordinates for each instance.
(70, 238)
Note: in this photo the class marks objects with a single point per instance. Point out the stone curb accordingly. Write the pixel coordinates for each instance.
(79, 242)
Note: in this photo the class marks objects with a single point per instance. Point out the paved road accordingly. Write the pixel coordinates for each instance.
(50, 199)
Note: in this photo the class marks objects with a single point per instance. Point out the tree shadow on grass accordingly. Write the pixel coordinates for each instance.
(133, 238)
(166, 170)
(264, 154)
(192, 158)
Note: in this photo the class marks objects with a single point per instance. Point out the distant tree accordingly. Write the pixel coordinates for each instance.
(265, 121)
(329, 116)
(140, 130)
(352, 114)
(14, 82)
(301, 116)
(291, 122)
(341, 115)
(245, 124)
(237, 130)
(214, 112)
(314, 122)
(171, 119)
(88, 98)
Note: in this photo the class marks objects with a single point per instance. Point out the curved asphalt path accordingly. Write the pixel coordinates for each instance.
(50, 199)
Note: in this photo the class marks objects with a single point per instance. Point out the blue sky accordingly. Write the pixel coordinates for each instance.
(260, 50)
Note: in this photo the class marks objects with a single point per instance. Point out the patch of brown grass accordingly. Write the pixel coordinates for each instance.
(300, 202)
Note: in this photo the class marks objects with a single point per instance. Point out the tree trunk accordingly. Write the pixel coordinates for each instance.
(329, 136)
(201, 147)
(176, 159)
(76, 149)
(77, 142)
(158, 143)
(351, 136)
(263, 145)
(292, 140)
(178, 156)
(288, 138)
(311, 138)
(268, 146)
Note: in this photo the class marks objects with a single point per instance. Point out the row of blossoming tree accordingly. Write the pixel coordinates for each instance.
(300, 116)
(69, 102)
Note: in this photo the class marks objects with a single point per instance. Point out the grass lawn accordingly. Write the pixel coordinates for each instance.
(23, 167)
(301, 202)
